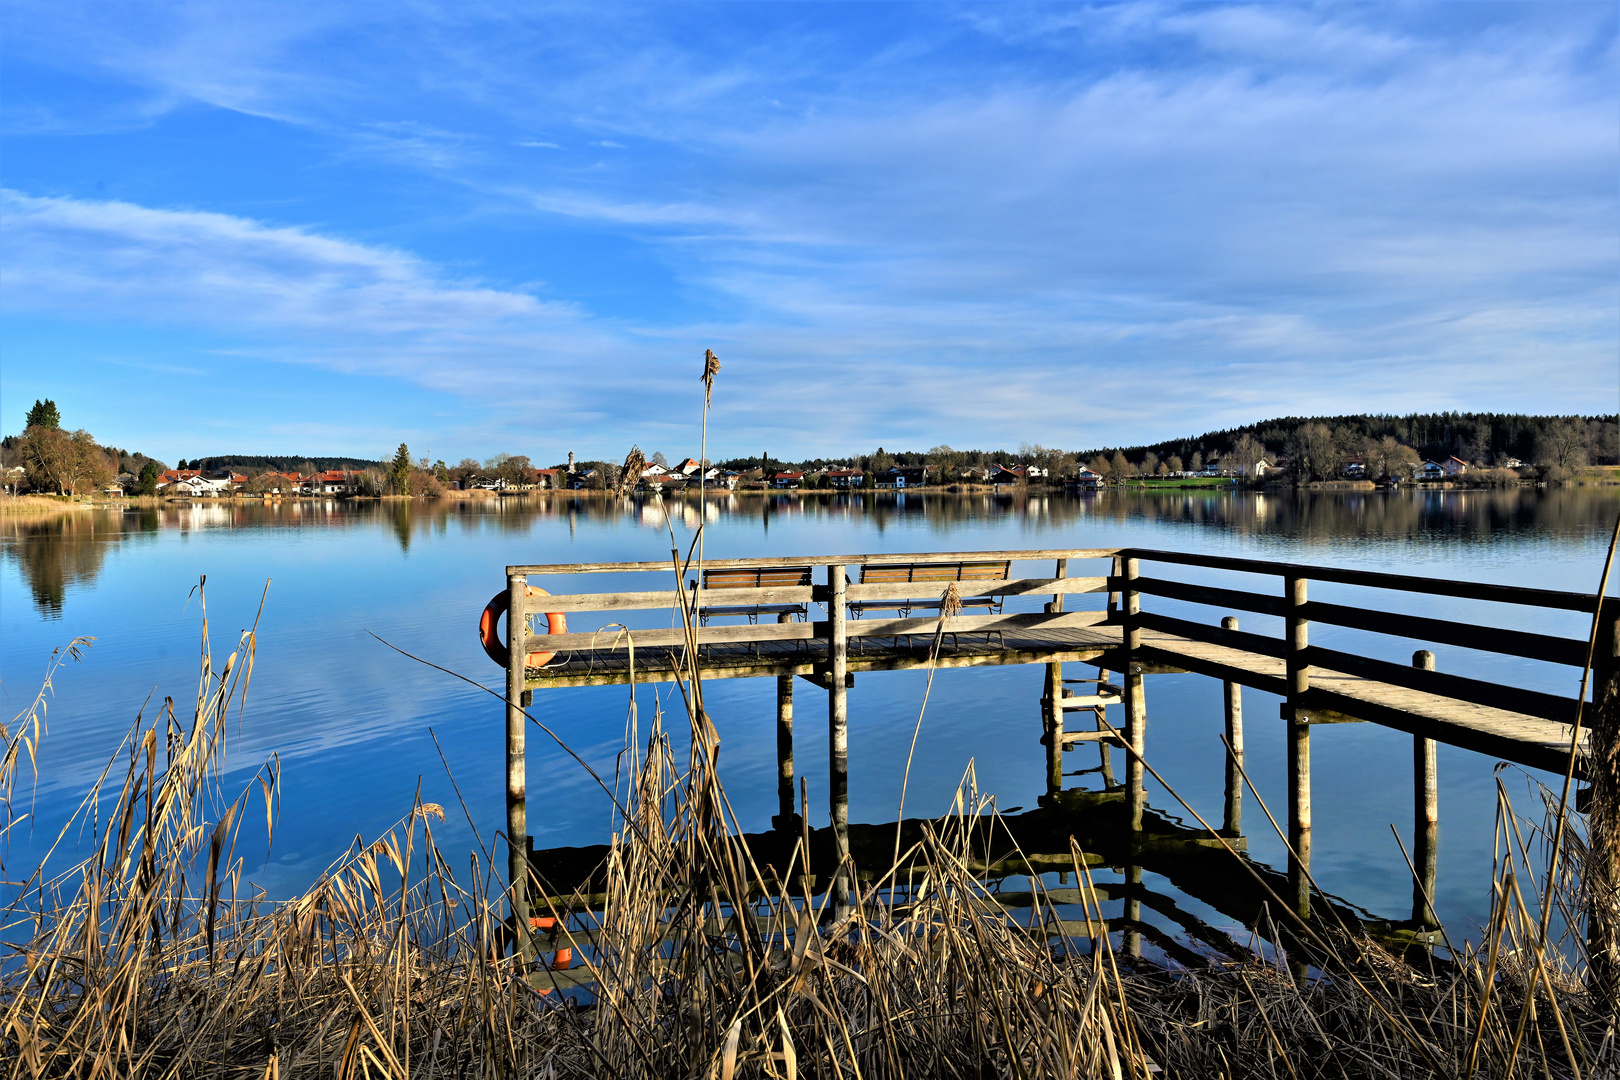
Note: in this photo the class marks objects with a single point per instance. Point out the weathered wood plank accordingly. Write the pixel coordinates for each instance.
(1241, 640)
(1229, 599)
(1553, 650)
(1010, 587)
(647, 601)
(1466, 590)
(975, 624)
(881, 558)
(1457, 687)
(656, 638)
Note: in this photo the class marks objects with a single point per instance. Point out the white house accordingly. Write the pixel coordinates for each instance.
(1087, 480)
(1429, 470)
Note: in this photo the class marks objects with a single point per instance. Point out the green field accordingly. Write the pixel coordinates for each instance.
(1183, 482)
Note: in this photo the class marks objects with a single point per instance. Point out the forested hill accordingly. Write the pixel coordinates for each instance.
(257, 463)
(1475, 437)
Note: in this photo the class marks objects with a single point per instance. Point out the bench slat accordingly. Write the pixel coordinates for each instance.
(937, 571)
(1012, 587)
(756, 577)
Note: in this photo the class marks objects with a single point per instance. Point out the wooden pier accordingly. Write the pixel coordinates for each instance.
(1113, 620)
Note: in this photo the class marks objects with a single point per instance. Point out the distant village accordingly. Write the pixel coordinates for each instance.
(690, 474)
(1485, 450)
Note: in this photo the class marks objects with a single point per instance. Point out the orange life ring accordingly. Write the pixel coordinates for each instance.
(561, 959)
(489, 629)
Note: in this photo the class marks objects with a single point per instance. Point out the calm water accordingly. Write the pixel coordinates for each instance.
(354, 722)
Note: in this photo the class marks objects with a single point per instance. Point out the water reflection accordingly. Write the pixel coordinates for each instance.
(69, 550)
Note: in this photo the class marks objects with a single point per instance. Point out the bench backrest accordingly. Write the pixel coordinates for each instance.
(757, 577)
(994, 570)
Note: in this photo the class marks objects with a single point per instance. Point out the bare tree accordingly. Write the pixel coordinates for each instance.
(1563, 445)
(1245, 453)
(47, 455)
(1388, 457)
(1314, 452)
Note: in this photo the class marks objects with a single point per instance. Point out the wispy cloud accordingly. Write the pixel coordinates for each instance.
(1232, 209)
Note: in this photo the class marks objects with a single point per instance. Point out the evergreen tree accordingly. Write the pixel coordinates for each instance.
(151, 473)
(44, 414)
(399, 470)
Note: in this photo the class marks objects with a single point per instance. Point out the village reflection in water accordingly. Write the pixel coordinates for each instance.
(70, 549)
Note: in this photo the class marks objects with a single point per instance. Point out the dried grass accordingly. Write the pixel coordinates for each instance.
(153, 956)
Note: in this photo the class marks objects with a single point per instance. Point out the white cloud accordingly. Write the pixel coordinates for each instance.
(1236, 207)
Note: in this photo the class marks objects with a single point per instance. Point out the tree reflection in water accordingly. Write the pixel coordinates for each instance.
(69, 550)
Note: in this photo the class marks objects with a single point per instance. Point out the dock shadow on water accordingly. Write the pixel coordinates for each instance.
(685, 948)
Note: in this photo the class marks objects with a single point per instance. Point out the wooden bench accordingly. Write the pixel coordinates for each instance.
(755, 577)
(885, 573)
(890, 573)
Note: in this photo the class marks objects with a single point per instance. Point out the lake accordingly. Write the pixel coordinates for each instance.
(359, 728)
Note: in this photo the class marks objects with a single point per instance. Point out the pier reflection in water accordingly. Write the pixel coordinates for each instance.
(326, 695)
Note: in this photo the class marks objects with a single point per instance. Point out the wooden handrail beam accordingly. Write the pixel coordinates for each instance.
(1208, 594)
(876, 559)
(1465, 590)
(1553, 650)
(1477, 691)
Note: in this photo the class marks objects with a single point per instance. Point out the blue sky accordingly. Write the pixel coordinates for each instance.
(328, 228)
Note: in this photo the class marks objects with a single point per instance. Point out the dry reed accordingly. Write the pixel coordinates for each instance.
(154, 957)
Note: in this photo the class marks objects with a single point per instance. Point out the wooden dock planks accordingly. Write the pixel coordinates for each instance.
(1527, 740)
(1533, 741)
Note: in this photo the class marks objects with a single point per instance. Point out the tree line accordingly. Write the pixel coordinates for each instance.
(1314, 448)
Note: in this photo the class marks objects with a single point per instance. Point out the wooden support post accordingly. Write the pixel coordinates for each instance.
(1232, 821)
(1425, 815)
(1135, 703)
(1116, 570)
(838, 735)
(786, 818)
(1133, 910)
(1602, 870)
(1052, 705)
(1104, 750)
(517, 813)
(1299, 745)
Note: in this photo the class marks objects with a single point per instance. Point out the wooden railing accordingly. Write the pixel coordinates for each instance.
(1144, 636)
(1482, 636)
(696, 599)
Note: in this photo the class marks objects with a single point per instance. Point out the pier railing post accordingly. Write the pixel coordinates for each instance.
(1602, 870)
(517, 825)
(1232, 821)
(1299, 744)
(1425, 815)
(1135, 702)
(1052, 704)
(838, 734)
(786, 817)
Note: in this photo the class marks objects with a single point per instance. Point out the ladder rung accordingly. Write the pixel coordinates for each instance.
(1071, 737)
(1104, 689)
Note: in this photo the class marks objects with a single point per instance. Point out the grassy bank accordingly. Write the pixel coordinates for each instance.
(39, 506)
(153, 957)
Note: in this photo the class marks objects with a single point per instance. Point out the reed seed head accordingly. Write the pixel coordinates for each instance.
(711, 368)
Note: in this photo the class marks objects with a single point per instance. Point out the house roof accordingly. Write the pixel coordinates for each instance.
(789, 475)
(845, 472)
